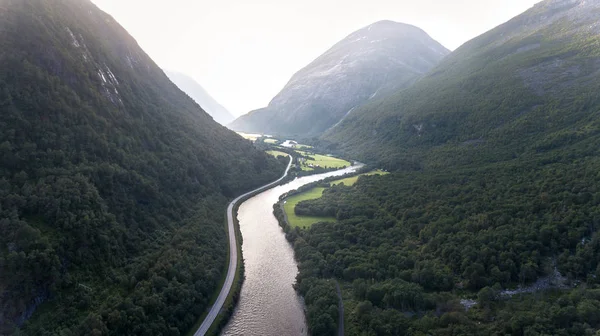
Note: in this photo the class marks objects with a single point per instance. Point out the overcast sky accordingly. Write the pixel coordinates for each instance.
(244, 51)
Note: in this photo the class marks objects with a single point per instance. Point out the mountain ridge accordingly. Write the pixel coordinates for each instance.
(488, 87)
(374, 60)
(488, 221)
(188, 85)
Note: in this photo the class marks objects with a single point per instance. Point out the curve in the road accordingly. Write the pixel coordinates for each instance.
(233, 257)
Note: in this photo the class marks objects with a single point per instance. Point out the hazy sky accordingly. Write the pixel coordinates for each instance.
(244, 51)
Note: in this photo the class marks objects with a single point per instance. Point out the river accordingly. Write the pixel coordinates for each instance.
(268, 303)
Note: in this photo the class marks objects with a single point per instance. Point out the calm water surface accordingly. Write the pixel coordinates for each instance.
(268, 304)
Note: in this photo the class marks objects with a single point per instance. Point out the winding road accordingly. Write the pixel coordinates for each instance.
(233, 257)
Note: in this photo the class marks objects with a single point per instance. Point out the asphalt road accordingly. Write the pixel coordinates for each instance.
(233, 259)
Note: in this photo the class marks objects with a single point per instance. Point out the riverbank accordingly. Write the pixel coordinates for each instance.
(288, 220)
(329, 295)
(223, 307)
(269, 307)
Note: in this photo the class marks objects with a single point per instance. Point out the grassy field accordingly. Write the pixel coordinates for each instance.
(350, 181)
(271, 141)
(304, 221)
(277, 153)
(314, 193)
(322, 161)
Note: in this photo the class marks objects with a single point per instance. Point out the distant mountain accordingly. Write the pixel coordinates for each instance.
(197, 92)
(527, 86)
(381, 58)
(113, 182)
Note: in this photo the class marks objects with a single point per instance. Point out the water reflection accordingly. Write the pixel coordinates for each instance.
(268, 304)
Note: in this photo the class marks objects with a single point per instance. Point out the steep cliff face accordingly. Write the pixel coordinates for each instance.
(378, 59)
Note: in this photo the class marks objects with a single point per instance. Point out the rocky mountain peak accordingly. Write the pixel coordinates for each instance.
(368, 63)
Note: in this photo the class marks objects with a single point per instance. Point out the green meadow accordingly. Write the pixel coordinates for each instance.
(304, 221)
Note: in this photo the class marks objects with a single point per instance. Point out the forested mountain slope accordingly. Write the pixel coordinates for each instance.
(371, 62)
(113, 183)
(525, 87)
(488, 224)
(203, 98)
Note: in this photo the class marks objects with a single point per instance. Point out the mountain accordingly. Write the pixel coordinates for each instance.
(489, 221)
(197, 92)
(113, 182)
(381, 58)
(527, 86)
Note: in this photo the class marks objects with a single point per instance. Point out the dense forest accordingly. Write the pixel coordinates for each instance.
(408, 247)
(113, 187)
(113, 183)
(488, 224)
